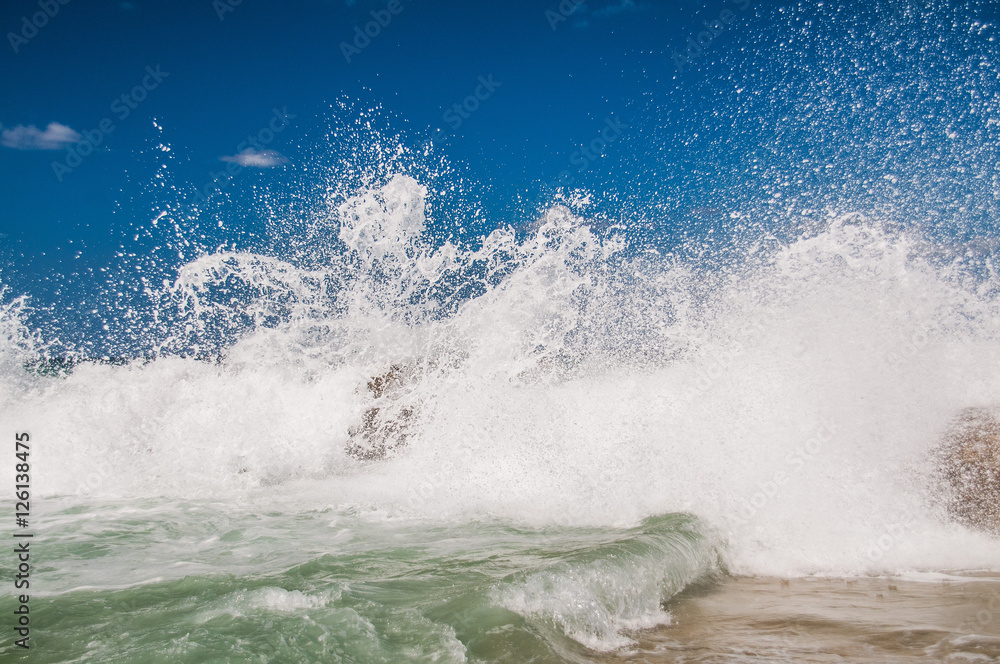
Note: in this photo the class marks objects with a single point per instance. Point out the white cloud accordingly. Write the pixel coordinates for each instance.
(55, 137)
(257, 158)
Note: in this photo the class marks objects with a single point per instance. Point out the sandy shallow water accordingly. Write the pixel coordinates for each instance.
(939, 618)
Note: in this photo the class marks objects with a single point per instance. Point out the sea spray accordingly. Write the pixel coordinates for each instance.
(532, 402)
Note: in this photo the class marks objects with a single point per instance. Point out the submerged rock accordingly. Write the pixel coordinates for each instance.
(968, 461)
(385, 425)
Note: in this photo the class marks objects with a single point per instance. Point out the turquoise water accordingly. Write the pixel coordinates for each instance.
(206, 582)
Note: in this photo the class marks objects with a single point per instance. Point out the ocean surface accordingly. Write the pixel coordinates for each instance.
(694, 424)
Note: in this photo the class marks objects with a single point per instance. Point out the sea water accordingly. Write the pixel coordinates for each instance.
(577, 454)
(379, 436)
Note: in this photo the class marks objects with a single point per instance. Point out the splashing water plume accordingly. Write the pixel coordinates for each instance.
(529, 439)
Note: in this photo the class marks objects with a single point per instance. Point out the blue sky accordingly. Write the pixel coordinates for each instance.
(615, 95)
(85, 82)
(211, 74)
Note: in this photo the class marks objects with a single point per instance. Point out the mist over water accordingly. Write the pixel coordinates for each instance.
(744, 367)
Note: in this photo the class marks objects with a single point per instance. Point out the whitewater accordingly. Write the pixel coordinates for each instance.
(691, 422)
(589, 431)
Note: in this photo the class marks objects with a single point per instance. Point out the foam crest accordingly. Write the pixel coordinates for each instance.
(601, 596)
(274, 599)
(385, 222)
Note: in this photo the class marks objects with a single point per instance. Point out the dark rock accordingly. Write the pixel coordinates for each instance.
(968, 464)
(386, 424)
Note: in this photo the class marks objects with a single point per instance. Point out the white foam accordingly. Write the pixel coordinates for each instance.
(790, 401)
(276, 599)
